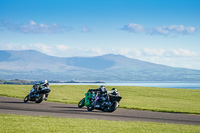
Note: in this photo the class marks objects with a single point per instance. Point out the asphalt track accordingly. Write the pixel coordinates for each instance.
(18, 107)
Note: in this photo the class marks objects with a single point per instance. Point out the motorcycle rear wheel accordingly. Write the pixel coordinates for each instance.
(112, 108)
(90, 107)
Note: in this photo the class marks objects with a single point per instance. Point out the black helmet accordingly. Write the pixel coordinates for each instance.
(114, 89)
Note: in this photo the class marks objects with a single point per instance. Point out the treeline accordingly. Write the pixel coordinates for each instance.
(22, 82)
(16, 81)
(27, 82)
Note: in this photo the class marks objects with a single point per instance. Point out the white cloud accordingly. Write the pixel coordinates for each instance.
(168, 52)
(62, 47)
(13, 46)
(34, 28)
(174, 29)
(135, 28)
(32, 23)
(163, 30)
(155, 52)
(85, 29)
(183, 52)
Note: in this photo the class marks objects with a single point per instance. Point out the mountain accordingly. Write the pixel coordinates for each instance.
(33, 65)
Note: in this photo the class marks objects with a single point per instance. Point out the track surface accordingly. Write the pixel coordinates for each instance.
(17, 106)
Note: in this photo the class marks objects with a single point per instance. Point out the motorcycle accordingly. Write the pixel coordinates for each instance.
(39, 95)
(93, 101)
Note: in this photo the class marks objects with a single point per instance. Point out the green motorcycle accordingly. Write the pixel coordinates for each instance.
(106, 103)
(89, 97)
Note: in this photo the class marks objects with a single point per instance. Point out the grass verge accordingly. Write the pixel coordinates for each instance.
(34, 124)
(140, 98)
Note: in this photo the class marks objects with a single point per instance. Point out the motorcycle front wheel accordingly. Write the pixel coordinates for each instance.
(40, 98)
(26, 99)
(81, 103)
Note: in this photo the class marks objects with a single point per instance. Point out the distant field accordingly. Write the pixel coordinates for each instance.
(141, 98)
(24, 124)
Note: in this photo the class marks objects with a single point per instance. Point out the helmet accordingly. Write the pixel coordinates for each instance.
(114, 90)
(103, 89)
(45, 81)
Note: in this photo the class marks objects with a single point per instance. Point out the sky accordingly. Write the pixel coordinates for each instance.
(160, 31)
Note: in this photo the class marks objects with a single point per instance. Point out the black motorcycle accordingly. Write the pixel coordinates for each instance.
(108, 103)
(39, 95)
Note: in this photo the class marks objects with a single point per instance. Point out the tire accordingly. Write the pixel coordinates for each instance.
(26, 99)
(90, 107)
(114, 106)
(40, 98)
(81, 103)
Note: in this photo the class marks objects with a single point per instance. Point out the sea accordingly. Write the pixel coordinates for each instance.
(181, 85)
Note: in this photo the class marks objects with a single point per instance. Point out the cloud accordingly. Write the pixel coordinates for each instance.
(154, 52)
(135, 28)
(62, 47)
(174, 29)
(85, 29)
(167, 52)
(163, 30)
(183, 52)
(33, 28)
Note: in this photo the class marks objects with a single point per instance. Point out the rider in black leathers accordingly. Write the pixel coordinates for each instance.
(102, 92)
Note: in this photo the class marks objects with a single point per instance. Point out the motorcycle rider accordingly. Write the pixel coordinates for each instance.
(103, 93)
(101, 89)
(37, 86)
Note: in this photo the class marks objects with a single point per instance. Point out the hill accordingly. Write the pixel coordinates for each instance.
(33, 65)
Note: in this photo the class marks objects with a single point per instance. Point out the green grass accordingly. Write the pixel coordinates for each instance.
(33, 124)
(141, 98)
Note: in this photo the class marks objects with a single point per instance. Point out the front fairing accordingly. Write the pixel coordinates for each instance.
(44, 90)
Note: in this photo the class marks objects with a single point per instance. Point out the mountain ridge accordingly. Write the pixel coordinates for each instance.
(34, 65)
